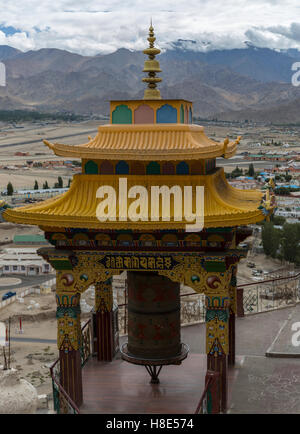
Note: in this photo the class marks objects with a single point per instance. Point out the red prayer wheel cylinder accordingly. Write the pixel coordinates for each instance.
(153, 316)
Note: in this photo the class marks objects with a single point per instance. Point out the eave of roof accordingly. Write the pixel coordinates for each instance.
(158, 142)
(224, 205)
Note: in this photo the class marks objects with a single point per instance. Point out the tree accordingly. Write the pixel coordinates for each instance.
(10, 189)
(36, 185)
(45, 185)
(251, 171)
(236, 172)
(60, 183)
(278, 220)
(270, 239)
(290, 241)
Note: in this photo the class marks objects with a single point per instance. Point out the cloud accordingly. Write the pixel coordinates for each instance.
(103, 27)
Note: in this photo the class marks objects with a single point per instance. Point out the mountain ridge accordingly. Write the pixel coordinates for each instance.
(220, 82)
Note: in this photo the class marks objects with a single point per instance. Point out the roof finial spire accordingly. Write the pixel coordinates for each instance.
(152, 67)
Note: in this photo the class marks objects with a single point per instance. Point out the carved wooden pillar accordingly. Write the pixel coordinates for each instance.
(69, 343)
(232, 313)
(105, 334)
(217, 340)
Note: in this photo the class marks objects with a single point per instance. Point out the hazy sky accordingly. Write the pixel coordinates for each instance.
(103, 26)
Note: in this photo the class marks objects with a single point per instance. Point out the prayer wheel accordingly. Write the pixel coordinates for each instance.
(153, 316)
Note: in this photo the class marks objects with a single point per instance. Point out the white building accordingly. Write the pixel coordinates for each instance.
(23, 261)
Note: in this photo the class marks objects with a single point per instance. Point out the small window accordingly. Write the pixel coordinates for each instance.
(82, 242)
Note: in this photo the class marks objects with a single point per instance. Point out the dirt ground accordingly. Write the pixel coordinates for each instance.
(33, 359)
(261, 262)
(9, 230)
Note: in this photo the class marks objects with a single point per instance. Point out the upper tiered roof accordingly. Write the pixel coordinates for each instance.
(148, 142)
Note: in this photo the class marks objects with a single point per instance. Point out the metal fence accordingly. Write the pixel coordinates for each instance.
(209, 402)
(86, 347)
(261, 296)
(270, 294)
(62, 403)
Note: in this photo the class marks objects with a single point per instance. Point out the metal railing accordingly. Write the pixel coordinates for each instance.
(270, 294)
(86, 339)
(62, 402)
(260, 296)
(209, 402)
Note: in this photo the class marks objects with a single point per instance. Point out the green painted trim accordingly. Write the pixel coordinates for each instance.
(61, 264)
(214, 266)
(153, 168)
(122, 114)
(181, 114)
(91, 168)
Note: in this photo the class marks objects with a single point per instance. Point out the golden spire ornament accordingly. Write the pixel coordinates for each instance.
(152, 67)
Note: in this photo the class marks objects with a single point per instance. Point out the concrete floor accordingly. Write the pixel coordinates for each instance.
(260, 385)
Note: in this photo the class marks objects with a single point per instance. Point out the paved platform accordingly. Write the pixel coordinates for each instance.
(284, 344)
(266, 386)
(257, 384)
(120, 387)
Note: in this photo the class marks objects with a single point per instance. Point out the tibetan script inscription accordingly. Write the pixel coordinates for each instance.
(138, 262)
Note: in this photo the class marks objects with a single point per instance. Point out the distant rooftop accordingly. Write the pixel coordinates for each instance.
(30, 239)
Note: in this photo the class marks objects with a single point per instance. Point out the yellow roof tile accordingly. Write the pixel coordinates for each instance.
(156, 141)
(223, 205)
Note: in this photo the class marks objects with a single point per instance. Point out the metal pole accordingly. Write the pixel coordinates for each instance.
(9, 342)
(125, 307)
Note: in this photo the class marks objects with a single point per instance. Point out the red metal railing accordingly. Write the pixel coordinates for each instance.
(63, 404)
(209, 402)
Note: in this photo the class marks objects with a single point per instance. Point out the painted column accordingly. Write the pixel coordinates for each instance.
(105, 334)
(217, 339)
(232, 313)
(69, 343)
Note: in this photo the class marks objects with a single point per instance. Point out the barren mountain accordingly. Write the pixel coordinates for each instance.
(229, 83)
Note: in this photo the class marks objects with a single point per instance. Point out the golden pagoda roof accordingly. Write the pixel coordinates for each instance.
(224, 206)
(148, 142)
